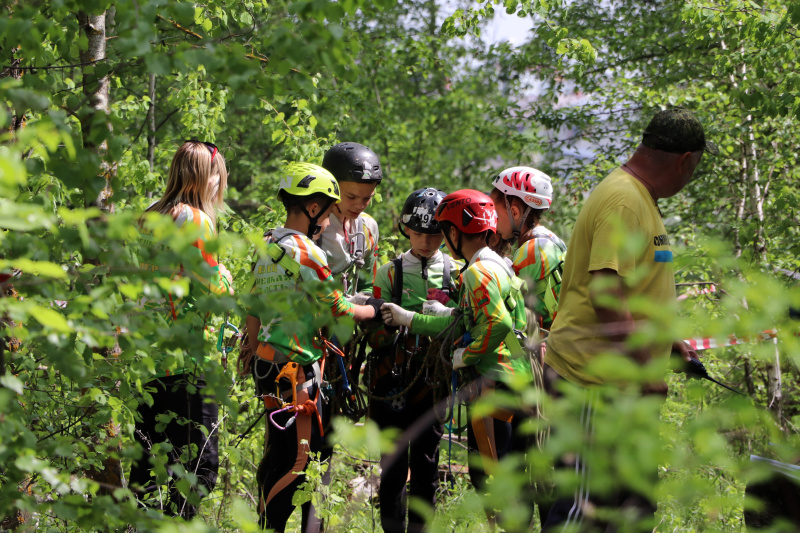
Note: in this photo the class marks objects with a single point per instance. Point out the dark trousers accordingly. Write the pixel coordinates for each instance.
(192, 448)
(577, 511)
(286, 453)
(421, 455)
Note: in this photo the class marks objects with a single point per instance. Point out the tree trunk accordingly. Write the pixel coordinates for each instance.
(151, 137)
(95, 88)
(754, 194)
(95, 128)
(774, 388)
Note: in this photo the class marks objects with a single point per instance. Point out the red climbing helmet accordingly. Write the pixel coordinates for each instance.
(468, 210)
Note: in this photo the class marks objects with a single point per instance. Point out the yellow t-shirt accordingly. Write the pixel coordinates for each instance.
(618, 228)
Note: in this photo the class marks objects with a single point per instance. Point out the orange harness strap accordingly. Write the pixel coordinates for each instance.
(309, 408)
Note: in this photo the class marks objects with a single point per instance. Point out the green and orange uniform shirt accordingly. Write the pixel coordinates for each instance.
(538, 261)
(493, 309)
(415, 286)
(291, 335)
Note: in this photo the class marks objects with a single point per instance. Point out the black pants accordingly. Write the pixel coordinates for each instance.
(191, 448)
(576, 511)
(421, 455)
(285, 453)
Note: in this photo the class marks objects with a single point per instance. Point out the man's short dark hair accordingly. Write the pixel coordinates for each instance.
(677, 131)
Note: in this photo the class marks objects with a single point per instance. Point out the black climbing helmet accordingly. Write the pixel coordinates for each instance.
(353, 162)
(419, 211)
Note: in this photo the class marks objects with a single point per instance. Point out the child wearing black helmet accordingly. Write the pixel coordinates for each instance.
(401, 375)
(489, 353)
(351, 239)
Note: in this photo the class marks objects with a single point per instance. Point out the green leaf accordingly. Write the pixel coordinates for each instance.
(50, 319)
(34, 268)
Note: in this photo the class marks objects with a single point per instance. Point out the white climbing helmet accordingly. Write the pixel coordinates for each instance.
(532, 186)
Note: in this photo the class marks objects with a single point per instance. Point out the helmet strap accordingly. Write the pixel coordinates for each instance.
(313, 227)
(514, 226)
(524, 217)
(456, 249)
(403, 233)
(516, 229)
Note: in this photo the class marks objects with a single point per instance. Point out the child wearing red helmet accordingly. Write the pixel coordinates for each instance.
(491, 311)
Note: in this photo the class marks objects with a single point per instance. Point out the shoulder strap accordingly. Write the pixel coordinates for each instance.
(558, 270)
(277, 253)
(397, 288)
(561, 245)
(446, 274)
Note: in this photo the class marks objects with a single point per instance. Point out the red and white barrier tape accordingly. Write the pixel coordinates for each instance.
(708, 343)
(697, 292)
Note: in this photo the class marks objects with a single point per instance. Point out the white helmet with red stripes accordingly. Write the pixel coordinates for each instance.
(532, 186)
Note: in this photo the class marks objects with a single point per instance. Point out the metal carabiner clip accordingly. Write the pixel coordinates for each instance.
(358, 246)
(226, 346)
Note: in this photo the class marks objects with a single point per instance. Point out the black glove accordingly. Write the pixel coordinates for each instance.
(376, 304)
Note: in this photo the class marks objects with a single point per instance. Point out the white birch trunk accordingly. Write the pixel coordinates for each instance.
(96, 90)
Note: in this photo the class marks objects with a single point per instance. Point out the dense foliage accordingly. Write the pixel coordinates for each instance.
(97, 96)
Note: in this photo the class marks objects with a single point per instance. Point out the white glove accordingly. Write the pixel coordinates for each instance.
(458, 358)
(359, 298)
(394, 315)
(436, 308)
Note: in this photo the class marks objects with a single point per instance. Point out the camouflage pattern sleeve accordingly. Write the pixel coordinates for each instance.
(491, 321)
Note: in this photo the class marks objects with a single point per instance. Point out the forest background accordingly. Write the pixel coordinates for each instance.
(96, 96)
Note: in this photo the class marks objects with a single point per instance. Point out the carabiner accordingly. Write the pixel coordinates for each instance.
(288, 371)
(288, 424)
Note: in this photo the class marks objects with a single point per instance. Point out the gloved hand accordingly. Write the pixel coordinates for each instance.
(360, 298)
(435, 308)
(394, 315)
(458, 358)
(439, 295)
(376, 304)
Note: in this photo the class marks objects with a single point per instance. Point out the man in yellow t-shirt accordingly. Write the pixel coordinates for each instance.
(618, 279)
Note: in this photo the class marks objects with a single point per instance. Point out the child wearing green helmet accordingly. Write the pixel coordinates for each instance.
(402, 373)
(285, 350)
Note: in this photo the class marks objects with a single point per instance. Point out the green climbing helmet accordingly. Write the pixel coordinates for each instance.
(305, 179)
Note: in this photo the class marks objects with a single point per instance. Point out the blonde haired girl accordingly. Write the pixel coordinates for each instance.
(197, 178)
(195, 188)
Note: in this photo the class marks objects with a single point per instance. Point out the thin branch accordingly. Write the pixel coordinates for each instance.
(253, 56)
(184, 30)
(87, 411)
(55, 67)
